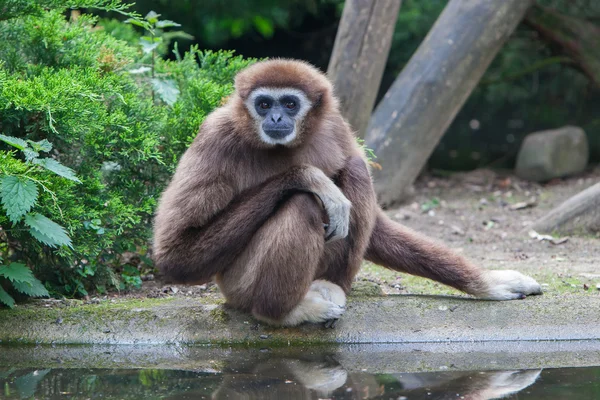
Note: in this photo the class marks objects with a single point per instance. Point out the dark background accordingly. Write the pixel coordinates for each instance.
(528, 87)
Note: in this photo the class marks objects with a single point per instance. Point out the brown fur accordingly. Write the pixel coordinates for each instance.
(238, 209)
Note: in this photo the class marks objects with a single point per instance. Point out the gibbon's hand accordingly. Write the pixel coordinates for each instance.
(336, 205)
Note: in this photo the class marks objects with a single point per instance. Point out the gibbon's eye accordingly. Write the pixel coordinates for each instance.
(290, 105)
(264, 105)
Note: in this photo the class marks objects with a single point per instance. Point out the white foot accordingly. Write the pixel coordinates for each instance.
(504, 383)
(508, 285)
(324, 301)
(318, 377)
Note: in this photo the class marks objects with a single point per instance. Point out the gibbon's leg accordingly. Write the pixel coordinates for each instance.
(342, 259)
(190, 248)
(400, 248)
(273, 277)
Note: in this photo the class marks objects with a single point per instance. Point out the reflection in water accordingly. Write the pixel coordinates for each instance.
(302, 377)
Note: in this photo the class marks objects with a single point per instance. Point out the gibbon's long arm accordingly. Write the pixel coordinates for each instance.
(197, 251)
(344, 258)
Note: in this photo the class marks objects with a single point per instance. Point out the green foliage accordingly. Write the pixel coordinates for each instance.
(15, 8)
(85, 148)
(19, 193)
(22, 280)
(18, 196)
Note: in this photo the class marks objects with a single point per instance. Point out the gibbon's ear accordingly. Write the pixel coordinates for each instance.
(243, 89)
(318, 100)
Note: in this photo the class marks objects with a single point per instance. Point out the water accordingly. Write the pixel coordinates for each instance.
(296, 378)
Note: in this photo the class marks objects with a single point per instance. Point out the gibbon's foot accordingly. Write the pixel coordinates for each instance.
(324, 301)
(330, 323)
(508, 285)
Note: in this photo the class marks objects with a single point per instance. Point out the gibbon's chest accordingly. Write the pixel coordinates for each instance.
(260, 166)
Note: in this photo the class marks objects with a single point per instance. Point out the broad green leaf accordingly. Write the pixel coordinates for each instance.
(139, 70)
(13, 141)
(149, 46)
(170, 36)
(6, 299)
(30, 154)
(166, 89)
(52, 165)
(31, 289)
(43, 145)
(152, 17)
(16, 272)
(137, 22)
(18, 195)
(47, 231)
(166, 24)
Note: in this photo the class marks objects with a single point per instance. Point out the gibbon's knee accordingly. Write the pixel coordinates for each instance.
(286, 260)
(302, 210)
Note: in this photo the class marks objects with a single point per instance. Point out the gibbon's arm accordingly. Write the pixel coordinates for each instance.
(197, 248)
(355, 182)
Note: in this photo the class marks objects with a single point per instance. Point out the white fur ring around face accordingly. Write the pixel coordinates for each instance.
(509, 285)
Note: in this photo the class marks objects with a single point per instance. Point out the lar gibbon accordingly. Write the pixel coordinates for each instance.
(274, 200)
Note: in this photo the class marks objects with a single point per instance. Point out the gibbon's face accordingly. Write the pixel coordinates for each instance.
(278, 113)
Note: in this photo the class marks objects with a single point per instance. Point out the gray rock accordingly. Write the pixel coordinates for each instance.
(553, 154)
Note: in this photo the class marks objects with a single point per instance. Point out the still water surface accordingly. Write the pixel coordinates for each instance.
(297, 379)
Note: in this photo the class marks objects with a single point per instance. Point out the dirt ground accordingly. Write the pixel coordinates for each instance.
(484, 215)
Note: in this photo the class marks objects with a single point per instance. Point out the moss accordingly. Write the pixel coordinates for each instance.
(366, 289)
(219, 314)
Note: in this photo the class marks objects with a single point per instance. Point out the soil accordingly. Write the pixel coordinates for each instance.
(483, 214)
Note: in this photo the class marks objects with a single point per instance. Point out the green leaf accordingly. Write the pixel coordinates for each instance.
(136, 22)
(6, 299)
(43, 145)
(166, 89)
(30, 154)
(13, 141)
(170, 36)
(47, 231)
(52, 165)
(18, 195)
(16, 272)
(149, 46)
(166, 24)
(31, 289)
(152, 17)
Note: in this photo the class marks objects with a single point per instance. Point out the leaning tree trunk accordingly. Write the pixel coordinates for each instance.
(424, 99)
(580, 214)
(361, 49)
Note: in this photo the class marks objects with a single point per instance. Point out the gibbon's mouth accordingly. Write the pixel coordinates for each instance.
(279, 133)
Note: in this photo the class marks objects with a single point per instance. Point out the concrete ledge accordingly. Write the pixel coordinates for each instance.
(389, 319)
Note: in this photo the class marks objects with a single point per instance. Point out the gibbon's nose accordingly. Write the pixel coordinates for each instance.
(275, 117)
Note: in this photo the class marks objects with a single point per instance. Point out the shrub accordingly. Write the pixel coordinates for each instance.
(112, 119)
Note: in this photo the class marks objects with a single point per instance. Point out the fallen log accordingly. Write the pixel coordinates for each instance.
(580, 214)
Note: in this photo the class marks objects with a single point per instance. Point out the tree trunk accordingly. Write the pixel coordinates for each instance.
(580, 214)
(360, 52)
(577, 37)
(424, 99)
